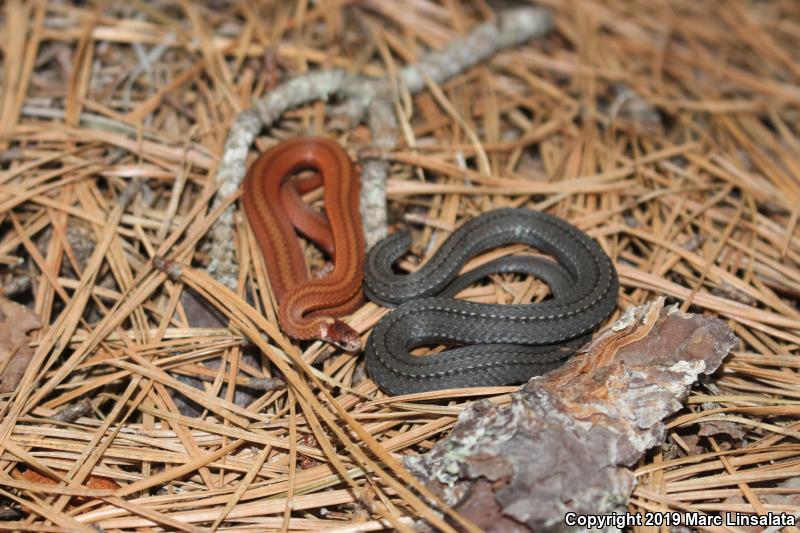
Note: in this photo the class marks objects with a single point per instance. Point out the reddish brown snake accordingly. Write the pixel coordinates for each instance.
(308, 307)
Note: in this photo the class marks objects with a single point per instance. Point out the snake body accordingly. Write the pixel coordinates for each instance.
(498, 344)
(308, 308)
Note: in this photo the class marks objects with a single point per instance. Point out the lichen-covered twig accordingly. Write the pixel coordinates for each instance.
(363, 98)
(567, 440)
(15, 285)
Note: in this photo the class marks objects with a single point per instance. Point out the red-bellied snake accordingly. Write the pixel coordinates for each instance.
(308, 307)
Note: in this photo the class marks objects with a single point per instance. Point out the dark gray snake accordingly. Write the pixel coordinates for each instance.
(498, 344)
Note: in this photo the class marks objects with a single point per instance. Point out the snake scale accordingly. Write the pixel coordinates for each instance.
(496, 344)
(308, 308)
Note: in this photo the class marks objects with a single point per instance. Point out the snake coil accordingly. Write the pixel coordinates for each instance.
(308, 308)
(498, 344)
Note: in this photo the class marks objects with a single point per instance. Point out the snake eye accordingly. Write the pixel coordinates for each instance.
(340, 335)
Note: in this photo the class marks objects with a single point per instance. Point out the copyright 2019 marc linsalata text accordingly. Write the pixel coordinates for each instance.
(623, 520)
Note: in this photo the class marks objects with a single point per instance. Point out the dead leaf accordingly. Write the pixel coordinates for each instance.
(92, 482)
(15, 355)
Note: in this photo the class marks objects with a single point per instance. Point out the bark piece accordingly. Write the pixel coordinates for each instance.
(565, 442)
(15, 322)
(73, 412)
(725, 428)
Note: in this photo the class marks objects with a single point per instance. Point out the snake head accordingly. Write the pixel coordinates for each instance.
(340, 335)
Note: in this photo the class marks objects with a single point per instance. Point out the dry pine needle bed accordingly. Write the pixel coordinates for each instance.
(131, 401)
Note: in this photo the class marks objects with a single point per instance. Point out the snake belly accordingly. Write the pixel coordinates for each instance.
(308, 308)
(498, 344)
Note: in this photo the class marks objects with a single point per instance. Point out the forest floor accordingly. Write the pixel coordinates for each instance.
(667, 131)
